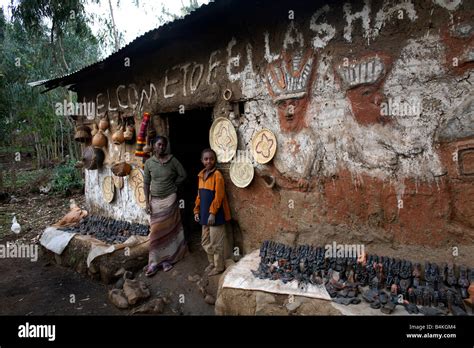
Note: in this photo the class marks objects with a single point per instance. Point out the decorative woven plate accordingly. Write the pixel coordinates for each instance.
(223, 139)
(264, 146)
(241, 173)
(134, 178)
(108, 189)
(140, 195)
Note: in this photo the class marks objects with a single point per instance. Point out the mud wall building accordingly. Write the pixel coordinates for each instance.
(371, 103)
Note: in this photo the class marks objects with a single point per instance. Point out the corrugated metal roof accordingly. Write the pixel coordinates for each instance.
(68, 79)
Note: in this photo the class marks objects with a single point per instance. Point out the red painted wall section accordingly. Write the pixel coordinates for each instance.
(430, 214)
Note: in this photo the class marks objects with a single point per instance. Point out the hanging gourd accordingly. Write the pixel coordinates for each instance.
(94, 130)
(129, 129)
(99, 140)
(104, 123)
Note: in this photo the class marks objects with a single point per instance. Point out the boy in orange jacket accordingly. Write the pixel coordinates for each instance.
(212, 211)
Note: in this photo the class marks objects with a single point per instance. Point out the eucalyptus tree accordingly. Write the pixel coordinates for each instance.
(43, 39)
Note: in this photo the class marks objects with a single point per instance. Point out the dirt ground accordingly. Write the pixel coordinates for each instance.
(45, 288)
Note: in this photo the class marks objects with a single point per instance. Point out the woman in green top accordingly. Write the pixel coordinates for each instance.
(162, 175)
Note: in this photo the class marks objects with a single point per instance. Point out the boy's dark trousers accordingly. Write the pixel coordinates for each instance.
(213, 243)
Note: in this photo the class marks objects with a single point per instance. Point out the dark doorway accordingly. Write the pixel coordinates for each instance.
(189, 135)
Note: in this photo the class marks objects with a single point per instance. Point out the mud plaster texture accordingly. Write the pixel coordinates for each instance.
(380, 132)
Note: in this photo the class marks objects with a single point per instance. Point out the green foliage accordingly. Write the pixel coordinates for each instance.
(190, 7)
(46, 39)
(27, 53)
(61, 13)
(24, 179)
(166, 16)
(66, 178)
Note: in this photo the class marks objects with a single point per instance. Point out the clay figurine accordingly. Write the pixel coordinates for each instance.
(411, 296)
(436, 298)
(450, 277)
(416, 274)
(426, 297)
(463, 282)
(429, 272)
(406, 270)
(419, 297)
(394, 290)
(449, 300)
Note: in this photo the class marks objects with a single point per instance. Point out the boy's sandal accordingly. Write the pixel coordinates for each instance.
(152, 270)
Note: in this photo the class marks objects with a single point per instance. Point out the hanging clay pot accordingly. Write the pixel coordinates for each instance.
(82, 134)
(103, 124)
(121, 169)
(118, 137)
(128, 134)
(93, 158)
(99, 140)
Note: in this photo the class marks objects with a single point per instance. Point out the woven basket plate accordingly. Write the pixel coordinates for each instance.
(108, 189)
(223, 139)
(135, 178)
(140, 195)
(264, 146)
(241, 173)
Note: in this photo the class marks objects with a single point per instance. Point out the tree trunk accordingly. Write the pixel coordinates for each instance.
(55, 141)
(37, 148)
(53, 51)
(49, 148)
(114, 28)
(60, 42)
(62, 140)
